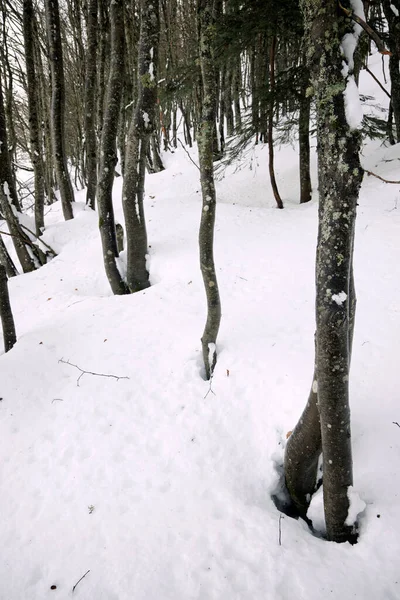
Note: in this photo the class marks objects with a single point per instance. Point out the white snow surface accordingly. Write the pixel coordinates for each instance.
(356, 506)
(179, 481)
(339, 298)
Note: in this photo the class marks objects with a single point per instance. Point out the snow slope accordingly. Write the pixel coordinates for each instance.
(157, 484)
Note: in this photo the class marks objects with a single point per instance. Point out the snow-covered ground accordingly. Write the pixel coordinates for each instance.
(156, 484)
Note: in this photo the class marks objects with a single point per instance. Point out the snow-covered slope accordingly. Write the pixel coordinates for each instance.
(155, 483)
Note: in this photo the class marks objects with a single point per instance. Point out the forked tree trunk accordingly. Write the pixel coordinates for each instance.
(340, 176)
(34, 114)
(57, 112)
(140, 131)
(108, 152)
(6, 316)
(90, 105)
(205, 143)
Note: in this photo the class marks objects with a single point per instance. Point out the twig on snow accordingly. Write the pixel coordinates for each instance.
(396, 423)
(196, 165)
(84, 372)
(280, 530)
(381, 178)
(80, 580)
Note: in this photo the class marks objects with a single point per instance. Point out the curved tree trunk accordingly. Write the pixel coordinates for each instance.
(58, 107)
(340, 176)
(90, 105)
(205, 143)
(34, 112)
(141, 128)
(108, 152)
(274, 185)
(6, 316)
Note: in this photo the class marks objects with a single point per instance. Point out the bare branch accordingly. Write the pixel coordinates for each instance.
(381, 178)
(84, 372)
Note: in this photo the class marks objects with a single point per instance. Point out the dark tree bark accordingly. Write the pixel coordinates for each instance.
(7, 319)
(90, 104)
(34, 114)
(108, 152)
(274, 185)
(6, 261)
(340, 175)
(304, 139)
(206, 18)
(140, 131)
(393, 19)
(58, 107)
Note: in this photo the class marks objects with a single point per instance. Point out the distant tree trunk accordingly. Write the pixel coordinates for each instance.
(304, 140)
(58, 107)
(108, 152)
(90, 104)
(34, 114)
(340, 175)
(274, 186)
(140, 131)
(7, 319)
(205, 143)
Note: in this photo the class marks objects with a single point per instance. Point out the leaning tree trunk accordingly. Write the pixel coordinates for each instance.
(7, 193)
(274, 185)
(108, 152)
(205, 143)
(6, 316)
(34, 114)
(141, 128)
(340, 176)
(6, 260)
(90, 104)
(57, 113)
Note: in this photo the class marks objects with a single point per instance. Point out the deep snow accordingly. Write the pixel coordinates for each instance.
(156, 484)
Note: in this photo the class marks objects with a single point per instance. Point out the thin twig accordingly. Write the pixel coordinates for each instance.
(280, 530)
(84, 372)
(57, 400)
(39, 239)
(197, 166)
(80, 579)
(396, 423)
(210, 389)
(381, 178)
(378, 82)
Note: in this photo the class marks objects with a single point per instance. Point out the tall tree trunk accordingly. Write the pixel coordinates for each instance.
(58, 107)
(6, 316)
(6, 260)
(90, 105)
(304, 139)
(274, 185)
(340, 175)
(140, 131)
(108, 152)
(34, 112)
(206, 18)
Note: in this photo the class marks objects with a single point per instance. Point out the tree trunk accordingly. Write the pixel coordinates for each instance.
(304, 140)
(58, 107)
(7, 319)
(140, 131)
(34, 112)
(108, 152)
(90, 105)
(205, 143)
(393, 19)
(340, 176)
(274, 186)
(6, 261)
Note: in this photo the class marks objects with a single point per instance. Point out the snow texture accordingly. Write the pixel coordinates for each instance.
(339, 298)
(356, 506)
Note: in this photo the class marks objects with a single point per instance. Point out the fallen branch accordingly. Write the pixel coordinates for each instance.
(84, 372)
(396, 423)
(80, 579)
(197, 166)
(381, 178)
(40, 240)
